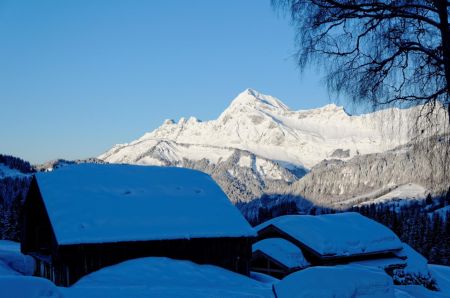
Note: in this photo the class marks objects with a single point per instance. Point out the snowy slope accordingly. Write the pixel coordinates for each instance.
(349, 281)
(442, 276)
(416, 263)
(12, 259)
(163, 277)
(395, 196)
(6, 171)
(407, 191)
(138, 278)
(15, 275)
(405, 172)
(263, 125)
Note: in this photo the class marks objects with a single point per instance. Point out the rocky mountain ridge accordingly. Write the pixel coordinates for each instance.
(259, 146)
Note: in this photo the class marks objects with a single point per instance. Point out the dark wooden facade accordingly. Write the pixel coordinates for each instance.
(65, 264)
(314, 257)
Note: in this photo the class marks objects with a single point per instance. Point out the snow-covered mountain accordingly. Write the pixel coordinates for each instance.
(258, 142)
(264, 126)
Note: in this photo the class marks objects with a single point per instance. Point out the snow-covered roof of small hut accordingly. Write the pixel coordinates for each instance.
(282, 251)
(337, 235)
(96, 203)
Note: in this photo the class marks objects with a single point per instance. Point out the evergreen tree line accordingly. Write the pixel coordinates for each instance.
(12, 195)
(266, 213)
(418, 225)
(13, 191)
(16, 163)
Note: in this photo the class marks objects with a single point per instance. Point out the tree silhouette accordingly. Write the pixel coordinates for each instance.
(381, 52)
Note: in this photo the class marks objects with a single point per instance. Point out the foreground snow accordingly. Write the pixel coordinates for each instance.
(13, 261)
(167, 278)
(418, 292)
(15, 281)
(442, 276)
(264, 278)
(355, 281)
(349, 281)
(27, 287)
(163, 277)
(146, 277)
(415, 262)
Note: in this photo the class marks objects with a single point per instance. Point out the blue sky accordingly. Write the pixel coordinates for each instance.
(78, 76)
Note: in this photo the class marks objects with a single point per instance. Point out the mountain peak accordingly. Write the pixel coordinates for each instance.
(251, 91)
(251, 97)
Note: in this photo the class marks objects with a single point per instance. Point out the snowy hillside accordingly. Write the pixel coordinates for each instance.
(406, 172)
(8, 172)
(395, 178)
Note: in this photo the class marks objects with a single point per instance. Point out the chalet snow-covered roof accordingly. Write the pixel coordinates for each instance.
(336, 235)
(97, 203)
(282, 251)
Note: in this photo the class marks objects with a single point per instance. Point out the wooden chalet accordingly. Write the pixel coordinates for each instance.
(333, 238)
(277, 257)
(80, 218)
